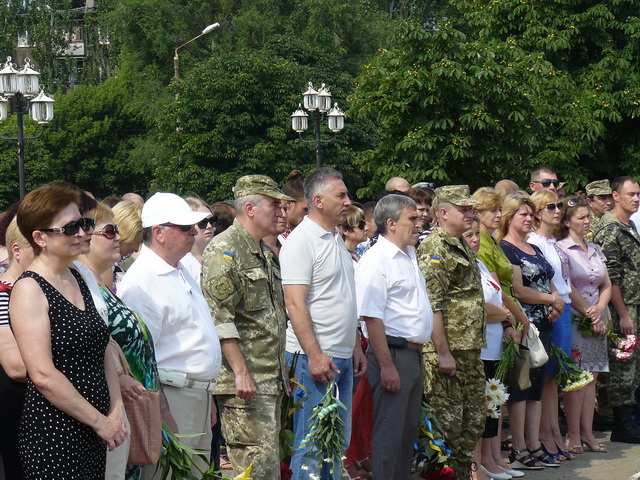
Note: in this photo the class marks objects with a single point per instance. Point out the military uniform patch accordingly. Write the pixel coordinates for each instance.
(222, 288)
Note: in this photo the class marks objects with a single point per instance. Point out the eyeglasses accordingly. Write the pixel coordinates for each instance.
(108, 231)
(546, 183)
(552, 206)
(202, 224)
(361, 224)
(184, 228)
(72, 228)
(572, 202)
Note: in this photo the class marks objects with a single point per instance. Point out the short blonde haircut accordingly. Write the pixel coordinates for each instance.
(510, 206)
(195, 203)
(13, 235)
(101, 212)
(488, 197)
(540, 200)
(354, 215)
(127, 215)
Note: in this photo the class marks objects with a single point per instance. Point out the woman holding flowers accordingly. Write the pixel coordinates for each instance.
(533, 286)
(590, 296)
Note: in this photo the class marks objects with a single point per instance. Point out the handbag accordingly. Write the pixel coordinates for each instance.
(144, 419)
(517, 377)
(537, 354)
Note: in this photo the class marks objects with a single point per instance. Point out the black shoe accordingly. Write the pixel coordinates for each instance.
(624, 430)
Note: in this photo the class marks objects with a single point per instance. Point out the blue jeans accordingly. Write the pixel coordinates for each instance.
(309, 457)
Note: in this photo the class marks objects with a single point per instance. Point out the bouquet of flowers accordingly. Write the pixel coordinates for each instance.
(430, 447)
(509, 351)
(495, 395)
(624, 348)
(326, 433)
(568, 374)
(585, 327)
(296, 395)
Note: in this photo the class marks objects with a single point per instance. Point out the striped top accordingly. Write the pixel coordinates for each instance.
(5, 291)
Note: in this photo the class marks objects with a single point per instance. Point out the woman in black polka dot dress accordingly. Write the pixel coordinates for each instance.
(73, 409)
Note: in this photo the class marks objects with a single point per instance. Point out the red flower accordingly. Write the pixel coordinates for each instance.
(446, 473)
(575, 354)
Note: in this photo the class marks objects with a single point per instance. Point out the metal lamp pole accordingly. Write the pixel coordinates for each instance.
(176, 58)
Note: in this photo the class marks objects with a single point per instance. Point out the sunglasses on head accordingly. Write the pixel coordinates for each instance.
(108, 231)
(184, 228)
(572, 202)
(202, 224)
(546, 183)
(74, 227)
(552, 206)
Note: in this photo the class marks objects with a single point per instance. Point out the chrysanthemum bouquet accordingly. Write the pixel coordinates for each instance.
(568, 374)
(624, 348)
(495, 395)
(431, 447)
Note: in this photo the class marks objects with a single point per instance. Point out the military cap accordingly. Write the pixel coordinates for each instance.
(455, 194)
(258, 185)
(599, 187)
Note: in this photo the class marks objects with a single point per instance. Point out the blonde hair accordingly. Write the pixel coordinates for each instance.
(540, 200)
(195, 203)
(13, 235)
(510, 206)
(354, 215)
(101, 212)
(488, 197)
(127, 215)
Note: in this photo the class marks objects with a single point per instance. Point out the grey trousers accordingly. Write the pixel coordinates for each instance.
(395, 415)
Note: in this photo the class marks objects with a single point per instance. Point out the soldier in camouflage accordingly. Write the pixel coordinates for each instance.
(600, 200)
(241, 282)
(454, 376)
(620, 243)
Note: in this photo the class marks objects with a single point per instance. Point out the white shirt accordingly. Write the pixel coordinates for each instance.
(94, 288)
(636, 220)
(193, 266)
(170, 303)
(493, 295)
(315, 257)
(548, 247)
(390, 286)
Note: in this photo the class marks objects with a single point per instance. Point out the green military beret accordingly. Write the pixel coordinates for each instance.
(258, 185)
(455, 194)
(599, 187)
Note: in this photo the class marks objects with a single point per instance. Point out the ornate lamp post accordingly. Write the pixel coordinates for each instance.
(18, 87)
(319, 104)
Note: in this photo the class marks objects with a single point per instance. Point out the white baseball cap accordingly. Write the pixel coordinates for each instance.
(169, 208)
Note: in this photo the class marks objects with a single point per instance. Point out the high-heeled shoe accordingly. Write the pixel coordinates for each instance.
(598, 447)
(495, 476)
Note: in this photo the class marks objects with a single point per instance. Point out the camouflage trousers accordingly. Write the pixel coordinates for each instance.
(252, 433)
(458, 403)
(624, 375)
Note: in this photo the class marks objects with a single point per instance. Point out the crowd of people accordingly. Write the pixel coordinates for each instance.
(228, 309)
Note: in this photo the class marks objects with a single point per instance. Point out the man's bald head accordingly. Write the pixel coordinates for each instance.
(506, 187)
(397, 183)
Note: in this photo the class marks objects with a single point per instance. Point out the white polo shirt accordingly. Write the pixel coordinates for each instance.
(172, 306)
(391, 287)
(318, 258)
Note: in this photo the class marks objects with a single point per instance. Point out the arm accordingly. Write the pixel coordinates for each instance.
(10, 358)
(245, 387)
(496, 314)
(30, 321)
(389, 377)
(359, 358)
(320, 365)
(439, 339)
(534, 297)
(626, 324)
(116, 407)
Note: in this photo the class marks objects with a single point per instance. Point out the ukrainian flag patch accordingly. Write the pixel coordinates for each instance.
(435, 259)
(227, 256)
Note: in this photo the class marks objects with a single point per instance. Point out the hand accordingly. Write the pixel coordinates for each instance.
(554, 314)
(447, 364)
(524, 321)
(321, 368)
(595, 313)
(513, 334)
(626, 325)
(599, 328)
(390, 379)
(130, 388)
(245, 388)
(359, 362)
(112, 430)
(559, 303)
(214, 412)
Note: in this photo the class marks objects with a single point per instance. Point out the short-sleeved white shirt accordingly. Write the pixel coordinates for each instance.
(318, 258)
(492, 294)
(172, 306)
(548, 248)
(391, 287)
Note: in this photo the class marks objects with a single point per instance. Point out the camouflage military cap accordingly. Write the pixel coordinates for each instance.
(599, 187)
(258, 185)
(455, 194)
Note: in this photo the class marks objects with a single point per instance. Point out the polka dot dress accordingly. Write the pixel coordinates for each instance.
(52, 444)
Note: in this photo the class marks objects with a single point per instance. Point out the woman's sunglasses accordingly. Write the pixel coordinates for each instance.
(361, 224)
(108, 231)
(72, 228)
(202, 224)
(552, 206)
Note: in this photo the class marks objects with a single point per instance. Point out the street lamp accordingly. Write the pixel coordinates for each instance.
(176, 58)
(18, 87)
(319, 104)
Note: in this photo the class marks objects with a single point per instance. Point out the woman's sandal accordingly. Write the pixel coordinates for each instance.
(577, 449)
(526, 462)
(545, 458)
(598, 447)
(565, 454)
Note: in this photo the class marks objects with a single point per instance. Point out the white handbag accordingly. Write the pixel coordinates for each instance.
(537, 354)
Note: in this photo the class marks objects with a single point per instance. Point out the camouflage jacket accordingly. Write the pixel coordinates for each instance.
(595, 221)
(455, 288)
(242, 284)
(621, 245)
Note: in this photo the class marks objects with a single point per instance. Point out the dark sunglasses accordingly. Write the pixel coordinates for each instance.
(202, 224)
(184, 228)
(546, 183)
(361, 224)
(552, 206)
(74, 227)
(108, 231)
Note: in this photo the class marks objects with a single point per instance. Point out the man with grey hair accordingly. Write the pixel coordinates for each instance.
(159, 288)
(241, 282)
(318, 279)
(392, 299)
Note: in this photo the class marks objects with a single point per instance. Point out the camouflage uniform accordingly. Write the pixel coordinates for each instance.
(455, 289)
(241, 282)
(621, 245)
